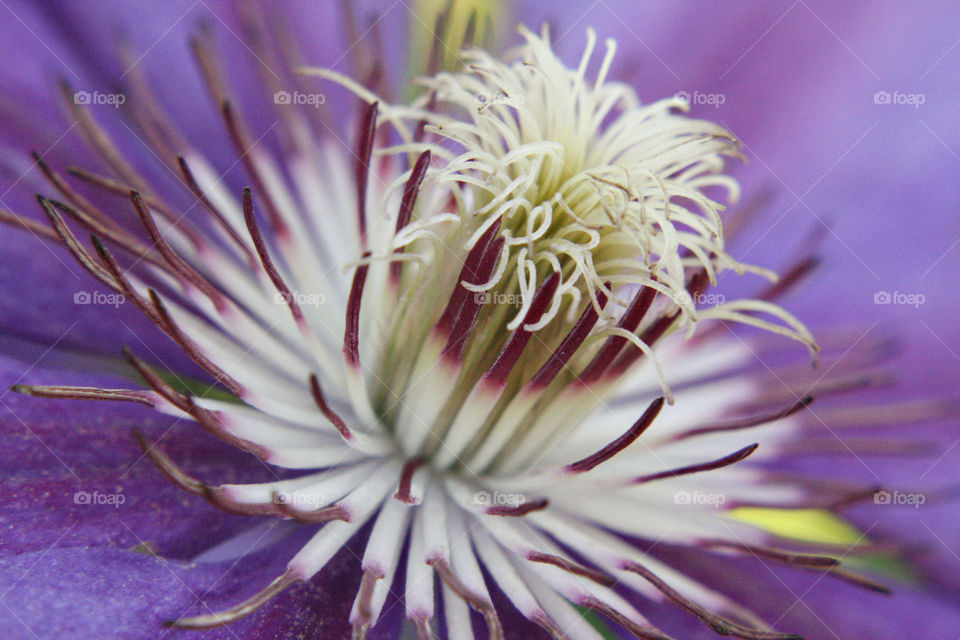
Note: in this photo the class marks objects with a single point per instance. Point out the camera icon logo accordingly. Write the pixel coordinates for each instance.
(482, 499)
(882, 97)
(882, 297)
(81, 297)
(683, 95)
(82, 497)
(681, 497)
(81, 97)
(882, 497)
(282, 97)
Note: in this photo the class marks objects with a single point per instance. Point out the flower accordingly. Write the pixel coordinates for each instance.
(473, 416)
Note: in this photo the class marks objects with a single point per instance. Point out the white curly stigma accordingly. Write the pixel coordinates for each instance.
(583, 180)
(580, 174)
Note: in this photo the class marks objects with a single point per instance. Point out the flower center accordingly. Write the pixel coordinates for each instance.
(544, 215)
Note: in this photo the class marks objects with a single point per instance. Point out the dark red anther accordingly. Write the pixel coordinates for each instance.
(178, 264)
(620, 443)
(201, 196)
(410, 192)
(472, 303)
(406, 480)
(572, 567)
(325, 409)
(746, 423)
(790, 278)
(719, 624)
(264, 254)
(695, 286)
(508, 357)
(719, 463)
(168, 324)
(628, 322)
(559, 358)
(351, 334)
(368, 127)
(468, 273)
(245, 147)
(786, 557)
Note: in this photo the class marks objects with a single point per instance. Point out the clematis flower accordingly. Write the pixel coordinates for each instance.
(478, 351)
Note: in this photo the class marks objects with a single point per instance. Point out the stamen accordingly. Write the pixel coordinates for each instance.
(364, 597)
(242, 610)
(718, 623)
(789, 279)
(34, 227)
(69, 192)
(614, 344)
(559, 358)
(468, 273)
(325, 409)
(115, 234)
(83, 393)
(169, 468)
(470, 309)
(190, 348)
(549, 626)
(406, 479)
(368, 127)
(410, 192)
(621, 443)
(209, 420)
(599, 577)
(424, 632)
(315, 516)
(696, 284)
(640, 631)
(250, 219)
(199, 194)
(184, 270)
(123, 284)
(725, 461)
(786, 557)
(67, 238)
(218, 498)
(100, 141)
(245, 149)
(746, 423)
(351, 334)
(500, 370)
(860, 581)
(481, 605)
